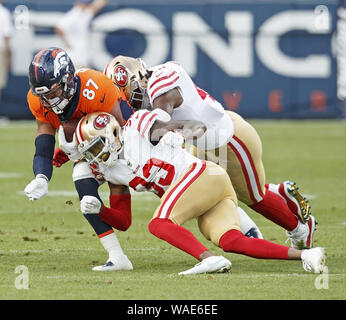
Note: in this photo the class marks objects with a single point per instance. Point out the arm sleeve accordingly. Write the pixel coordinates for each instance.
(119, 214)
(146, 119)
(42, 163)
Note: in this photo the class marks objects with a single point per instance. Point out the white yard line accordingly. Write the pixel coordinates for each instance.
(103, 194)
(7, 175)
(12, 251)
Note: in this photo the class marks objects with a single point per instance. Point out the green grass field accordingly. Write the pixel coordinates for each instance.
(52, 239)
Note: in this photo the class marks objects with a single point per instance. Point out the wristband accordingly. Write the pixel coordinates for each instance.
(40, 175)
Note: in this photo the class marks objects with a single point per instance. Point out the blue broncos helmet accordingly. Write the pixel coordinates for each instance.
(52, 79)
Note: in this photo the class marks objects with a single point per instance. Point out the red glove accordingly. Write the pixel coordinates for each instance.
(59, 157)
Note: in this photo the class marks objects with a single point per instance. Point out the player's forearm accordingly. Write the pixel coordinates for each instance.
(44, 150)
(8, 52)
(190, 129)
(97, 5)
(61, 34)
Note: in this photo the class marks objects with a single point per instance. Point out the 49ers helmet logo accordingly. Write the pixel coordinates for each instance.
(120, 76)
(101, 121)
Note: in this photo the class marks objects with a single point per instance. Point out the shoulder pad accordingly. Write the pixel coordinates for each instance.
(163, 79)
(142, 120)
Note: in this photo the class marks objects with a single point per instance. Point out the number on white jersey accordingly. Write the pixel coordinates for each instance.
(151, 167)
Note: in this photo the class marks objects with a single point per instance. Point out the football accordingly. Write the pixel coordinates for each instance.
(69, 128)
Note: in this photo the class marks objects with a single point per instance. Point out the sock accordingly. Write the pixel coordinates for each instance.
(111, 244)
(234, 241)
(274, 208)
(119, 214)
(177, 236)
(97, 224)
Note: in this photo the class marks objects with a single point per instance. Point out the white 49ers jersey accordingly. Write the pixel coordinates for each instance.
(197, 104)
(148, 167)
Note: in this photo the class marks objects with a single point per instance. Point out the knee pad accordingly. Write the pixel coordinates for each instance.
(156, 224)
(82, 170)
(229, 239)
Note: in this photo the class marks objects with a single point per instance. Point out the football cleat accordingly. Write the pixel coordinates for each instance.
(298, 204)
(314, 260)
(302, 236)
(312, 228)
(122, 263)
(217, 264)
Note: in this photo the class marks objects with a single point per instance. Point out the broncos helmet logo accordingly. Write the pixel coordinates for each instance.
(60, 62)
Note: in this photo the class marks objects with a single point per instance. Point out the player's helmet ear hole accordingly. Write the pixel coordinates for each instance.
(115, 133)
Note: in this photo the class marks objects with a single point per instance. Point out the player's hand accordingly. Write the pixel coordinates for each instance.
(70, 148)
(37, 188)
(173, 139)
(59, 157)
(90, 204)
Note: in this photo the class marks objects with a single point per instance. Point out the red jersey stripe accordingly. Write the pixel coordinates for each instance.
(147, 124)
(141, 120)
(164, 85)
(162, 78)
(182, 181)
(251, 163)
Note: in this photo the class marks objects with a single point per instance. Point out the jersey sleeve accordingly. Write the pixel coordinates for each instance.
(40, 113)
(35, 107)
(141, 121)
(97, 93)
(163, 79)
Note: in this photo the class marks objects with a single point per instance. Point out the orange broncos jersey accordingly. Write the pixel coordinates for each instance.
(95, 92)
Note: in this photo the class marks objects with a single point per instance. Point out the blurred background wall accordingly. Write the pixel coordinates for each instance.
(262, 59)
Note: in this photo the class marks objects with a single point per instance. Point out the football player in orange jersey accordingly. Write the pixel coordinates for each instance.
(59, 93)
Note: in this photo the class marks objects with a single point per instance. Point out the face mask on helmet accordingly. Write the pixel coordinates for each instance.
(102, 140)
(59, 95)
(100, 149)
(138, 98)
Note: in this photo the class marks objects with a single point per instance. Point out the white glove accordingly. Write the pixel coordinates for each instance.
(173, 139)
(90, 204)
(37, 188)
(70, 148)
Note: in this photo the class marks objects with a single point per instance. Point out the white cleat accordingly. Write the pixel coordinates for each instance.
(314, 260)
(209, 265)
(122, 263)
(302, 236)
